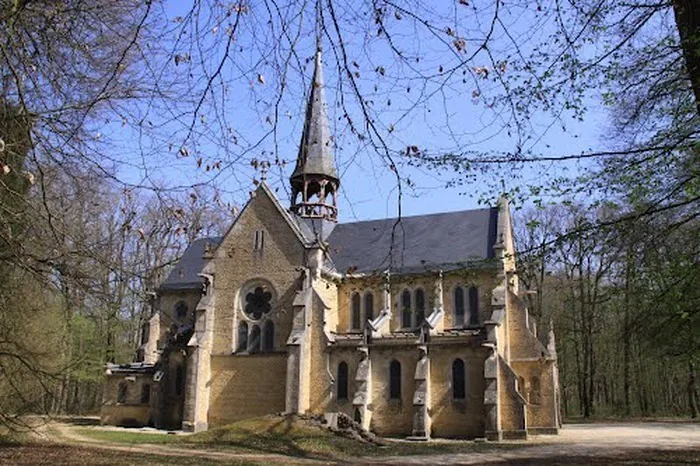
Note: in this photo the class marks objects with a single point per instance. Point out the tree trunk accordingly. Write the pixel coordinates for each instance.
(692, 391)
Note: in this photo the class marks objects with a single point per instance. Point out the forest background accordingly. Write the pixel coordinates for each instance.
(129, 129)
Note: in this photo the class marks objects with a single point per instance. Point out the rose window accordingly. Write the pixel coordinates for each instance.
(257, 303)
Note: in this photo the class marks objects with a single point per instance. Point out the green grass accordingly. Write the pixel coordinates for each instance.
(135, 438)
(289, 436)
(51, 454)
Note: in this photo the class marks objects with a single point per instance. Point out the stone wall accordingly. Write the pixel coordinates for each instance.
(392, 417)
(237, 264)
(132, 412)
(542, 407)
(246, 386)
(450, 417)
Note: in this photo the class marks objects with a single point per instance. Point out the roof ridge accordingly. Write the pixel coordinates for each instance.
(404, 217)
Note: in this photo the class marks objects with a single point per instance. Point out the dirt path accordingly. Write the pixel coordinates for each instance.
(579, 443)
(64, 433)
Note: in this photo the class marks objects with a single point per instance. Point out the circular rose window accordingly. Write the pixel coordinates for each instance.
(257, 302)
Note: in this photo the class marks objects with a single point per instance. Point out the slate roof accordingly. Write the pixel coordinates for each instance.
(315, 156)
(185, 274)
(444, 241)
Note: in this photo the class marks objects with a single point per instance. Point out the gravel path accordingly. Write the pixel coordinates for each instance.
(576, 444)
(579, 441)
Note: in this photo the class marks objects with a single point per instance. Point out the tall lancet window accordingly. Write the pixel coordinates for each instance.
(459, 306)
(242, 337)
(459, 381)
(369, 306)
(473, 306)
(356, 312)
(269, 337)
(342, 381)
(255, 339)
(420, 306)
(395, 380)
(406, 320)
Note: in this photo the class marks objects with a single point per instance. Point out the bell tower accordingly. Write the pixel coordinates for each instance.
(315, 180)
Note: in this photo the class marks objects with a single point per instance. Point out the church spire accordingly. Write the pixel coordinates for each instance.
(315, 180)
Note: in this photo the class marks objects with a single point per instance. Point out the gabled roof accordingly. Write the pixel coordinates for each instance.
(315, 157)
(185, 274)
(444, 241)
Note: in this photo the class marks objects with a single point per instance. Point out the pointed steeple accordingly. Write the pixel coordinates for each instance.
(315, 180)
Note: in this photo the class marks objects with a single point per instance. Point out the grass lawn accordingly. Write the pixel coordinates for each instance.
(287, 436)
(51, 454)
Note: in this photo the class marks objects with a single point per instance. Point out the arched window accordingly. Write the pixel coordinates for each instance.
(406, 309)
(356, 317)
(342, 381)
(473, 306)
(145, 393)
(535, 391)
(122, 392)
(369, 306)
(180, 310)
(254, 340)
(459, 307)
(420, 306)
(269, 337)
(395, 380)
(145, 330)
(459, 382)
(242, 337)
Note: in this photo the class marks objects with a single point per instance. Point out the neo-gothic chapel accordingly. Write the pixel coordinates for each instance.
(414, 329)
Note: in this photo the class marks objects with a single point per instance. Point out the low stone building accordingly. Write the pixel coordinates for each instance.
(414, 327)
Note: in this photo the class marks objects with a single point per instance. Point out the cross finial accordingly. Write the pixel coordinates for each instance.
(263, 171)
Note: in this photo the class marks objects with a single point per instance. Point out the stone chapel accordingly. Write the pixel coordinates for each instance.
(414, 327)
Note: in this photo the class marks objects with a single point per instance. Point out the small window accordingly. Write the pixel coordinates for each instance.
(179, 380)
(145, 393)
(122, 392)
(420, 306)
(145, 330)
(356, 318)
(459, 307)
(459, 386)
(269, 337)
(242, 337)
(255, 339)
(473, 306)
(181, 310)
(406, 309)
(259, 240)
(535, 391)
(369, 306)
(395, 380)
(342, 381)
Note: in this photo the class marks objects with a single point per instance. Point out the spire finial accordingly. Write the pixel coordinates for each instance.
(319, 28)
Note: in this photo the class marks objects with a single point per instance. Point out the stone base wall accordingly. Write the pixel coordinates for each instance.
(450, 417)
(125, 415)
(246, 386)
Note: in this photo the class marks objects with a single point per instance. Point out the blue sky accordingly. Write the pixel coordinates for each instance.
(234, 124)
